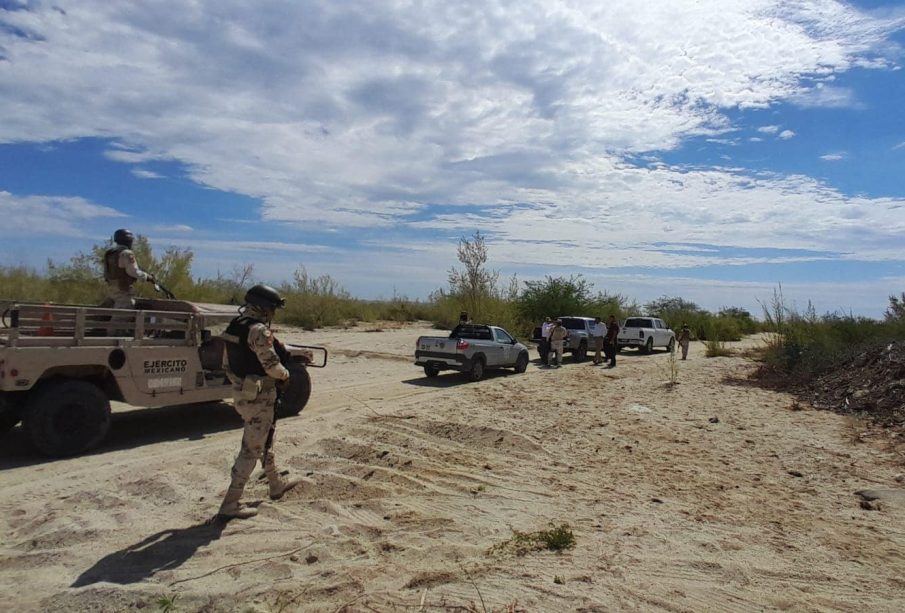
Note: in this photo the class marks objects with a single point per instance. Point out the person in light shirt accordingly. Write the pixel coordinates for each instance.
(598, 332)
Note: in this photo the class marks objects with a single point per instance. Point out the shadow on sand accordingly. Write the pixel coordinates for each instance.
(165, 550)
(134, 428)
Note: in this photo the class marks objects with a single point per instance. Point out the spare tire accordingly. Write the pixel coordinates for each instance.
(67, 416)
(295, 395)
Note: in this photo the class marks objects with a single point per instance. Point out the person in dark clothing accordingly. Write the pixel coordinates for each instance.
(609, 343)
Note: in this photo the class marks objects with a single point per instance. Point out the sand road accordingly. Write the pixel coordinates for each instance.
(709, 495)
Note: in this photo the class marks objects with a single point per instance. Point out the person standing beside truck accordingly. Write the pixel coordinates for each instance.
(558, 336)
(253, 365)
(598, 332)
(545, 338)
(609, 343)
(121, 271)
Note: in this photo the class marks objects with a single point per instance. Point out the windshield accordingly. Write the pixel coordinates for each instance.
(573, 323)
(468, 331)
(638, 323)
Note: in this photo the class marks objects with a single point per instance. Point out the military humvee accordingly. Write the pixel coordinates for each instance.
(61, 365)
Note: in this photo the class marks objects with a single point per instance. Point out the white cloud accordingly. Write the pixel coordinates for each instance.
(833, 157)
(180, 228)
(358, 114)
(786, 135)
(899, 146)
(768, 129)
(142, 173)
(48, 215)
(823, 96)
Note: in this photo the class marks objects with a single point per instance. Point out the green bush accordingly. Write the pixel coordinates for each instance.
(802, 345)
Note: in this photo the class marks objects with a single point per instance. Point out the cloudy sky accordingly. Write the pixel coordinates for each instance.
(711, 149)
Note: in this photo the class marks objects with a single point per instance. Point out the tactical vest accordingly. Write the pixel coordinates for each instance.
(242, 360)
(113, 273)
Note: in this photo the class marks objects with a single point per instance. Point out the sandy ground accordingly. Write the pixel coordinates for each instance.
(703, 496)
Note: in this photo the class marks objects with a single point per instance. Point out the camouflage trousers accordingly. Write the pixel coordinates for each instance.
(257, 413)
(556, 349)
(122, 299)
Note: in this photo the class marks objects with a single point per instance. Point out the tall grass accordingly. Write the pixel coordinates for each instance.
(801, 345)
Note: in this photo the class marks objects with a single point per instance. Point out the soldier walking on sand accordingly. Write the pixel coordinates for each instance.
(255, 370)
(684, 340)
(121, 271)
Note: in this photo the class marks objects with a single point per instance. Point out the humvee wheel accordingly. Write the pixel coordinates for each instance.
(66, 417)
(431, 370)
(296, 395)
(10, 414)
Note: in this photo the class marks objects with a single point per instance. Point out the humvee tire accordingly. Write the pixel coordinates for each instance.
(296, 395)
(10, 414)
(66, 417)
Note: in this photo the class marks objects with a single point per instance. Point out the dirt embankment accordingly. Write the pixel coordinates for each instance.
(871, 384)
(704, 495)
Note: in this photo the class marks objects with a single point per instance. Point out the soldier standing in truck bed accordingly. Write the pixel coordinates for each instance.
(254, 367)
(121, 271)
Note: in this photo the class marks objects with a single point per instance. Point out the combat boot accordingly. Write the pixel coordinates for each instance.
(232, 509)
(279, 486)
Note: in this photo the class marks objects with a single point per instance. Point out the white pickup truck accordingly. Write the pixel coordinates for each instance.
(471, 349)
(645, 333)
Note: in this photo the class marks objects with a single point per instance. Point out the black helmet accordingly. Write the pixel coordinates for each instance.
(264, 296)
(123, 237)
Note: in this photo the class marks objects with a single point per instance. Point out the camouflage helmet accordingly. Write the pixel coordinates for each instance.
(123, 237)
(264, 296)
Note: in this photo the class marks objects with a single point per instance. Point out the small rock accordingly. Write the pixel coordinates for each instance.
(795, 473)
(714, 420)
(657, 500)
(311, 558)
(899, 478)
(294, 558)
(870, 505)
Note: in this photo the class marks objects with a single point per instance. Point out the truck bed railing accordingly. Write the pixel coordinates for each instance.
(53, 325)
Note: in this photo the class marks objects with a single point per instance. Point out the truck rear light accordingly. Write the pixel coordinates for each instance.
(462, 344)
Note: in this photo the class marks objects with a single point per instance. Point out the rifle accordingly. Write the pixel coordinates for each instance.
(160, 289)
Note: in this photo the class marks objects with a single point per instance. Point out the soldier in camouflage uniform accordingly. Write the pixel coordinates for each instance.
(254, 367)
(121, 271)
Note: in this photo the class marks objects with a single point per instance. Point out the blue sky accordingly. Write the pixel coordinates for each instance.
(708, 149)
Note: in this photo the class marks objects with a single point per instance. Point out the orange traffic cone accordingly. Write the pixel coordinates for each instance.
(47, 316)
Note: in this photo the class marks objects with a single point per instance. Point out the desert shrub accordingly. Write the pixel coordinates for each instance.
(801, 345)
(557, 296)
(715, 348)
(744, 321)
(557, 538)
